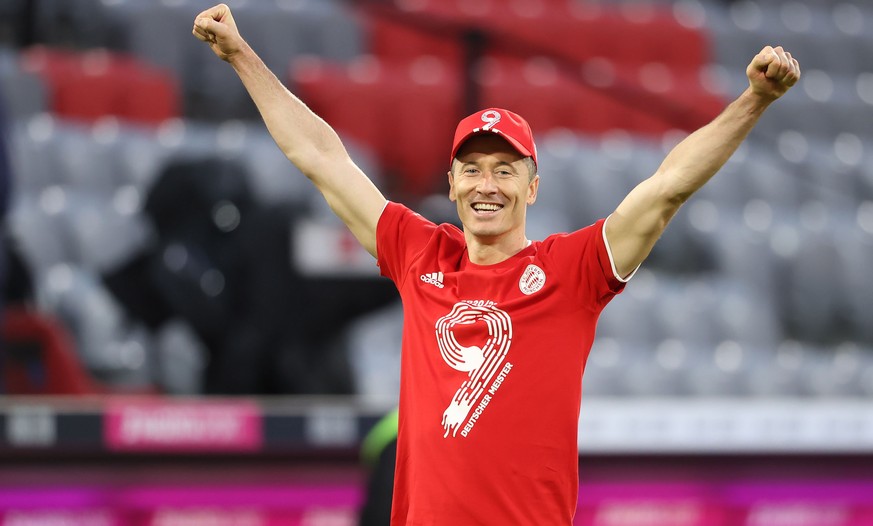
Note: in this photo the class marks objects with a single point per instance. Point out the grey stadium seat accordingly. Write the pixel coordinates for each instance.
(374, 352)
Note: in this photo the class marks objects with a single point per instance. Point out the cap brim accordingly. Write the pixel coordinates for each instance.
(512, 142)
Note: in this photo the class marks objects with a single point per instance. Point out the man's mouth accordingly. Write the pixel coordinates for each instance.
(485, 208)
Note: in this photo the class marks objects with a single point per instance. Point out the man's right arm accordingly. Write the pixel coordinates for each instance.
(308, 142)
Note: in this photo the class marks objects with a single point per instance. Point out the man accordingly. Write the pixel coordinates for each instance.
(496, 328)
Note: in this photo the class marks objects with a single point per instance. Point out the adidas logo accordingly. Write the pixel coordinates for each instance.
(434, 278)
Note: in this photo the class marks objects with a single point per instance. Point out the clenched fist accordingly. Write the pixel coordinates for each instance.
(216, 27)
(772, 72)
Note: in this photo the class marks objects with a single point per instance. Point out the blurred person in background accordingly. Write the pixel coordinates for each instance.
(497, 328)
(223, 262)
(8, 287)
(379, 454)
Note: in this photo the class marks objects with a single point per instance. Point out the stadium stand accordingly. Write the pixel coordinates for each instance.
(771, 251)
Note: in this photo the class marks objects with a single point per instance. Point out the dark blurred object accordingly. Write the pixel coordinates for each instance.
(379, 453)
(17, 22)
(380, 489)
(17, 281)
(5, 166)
(223, 263)
(10, 260)
(81, 24)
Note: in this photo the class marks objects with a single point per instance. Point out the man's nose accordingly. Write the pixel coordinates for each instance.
(486, 184)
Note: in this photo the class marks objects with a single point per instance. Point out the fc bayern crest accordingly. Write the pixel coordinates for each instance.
(532, 280)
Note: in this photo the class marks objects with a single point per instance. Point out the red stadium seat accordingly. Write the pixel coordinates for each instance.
(151, 97)
(52, 64)
(404, 100)
(39, 357)
(554, 97)
(405, 112)
(630, 35)
(392, 39)
(97, 83)
(93, 89)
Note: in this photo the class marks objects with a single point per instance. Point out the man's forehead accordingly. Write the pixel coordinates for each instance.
(488, 144)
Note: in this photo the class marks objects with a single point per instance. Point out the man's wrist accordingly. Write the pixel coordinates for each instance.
(241, 55)
(754, 102)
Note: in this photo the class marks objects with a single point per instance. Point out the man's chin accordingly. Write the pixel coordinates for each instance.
(484, 232)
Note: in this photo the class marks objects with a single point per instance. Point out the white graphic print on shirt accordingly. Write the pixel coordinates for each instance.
(480, 363)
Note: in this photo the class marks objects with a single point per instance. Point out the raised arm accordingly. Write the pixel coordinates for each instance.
(308, 142)
(642, 216)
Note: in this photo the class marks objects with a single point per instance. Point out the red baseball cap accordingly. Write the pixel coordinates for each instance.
(511, 126)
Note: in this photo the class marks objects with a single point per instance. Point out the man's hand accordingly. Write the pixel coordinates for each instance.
(216, 27)
(772, 72)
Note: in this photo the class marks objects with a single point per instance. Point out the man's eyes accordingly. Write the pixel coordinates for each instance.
(498, 173)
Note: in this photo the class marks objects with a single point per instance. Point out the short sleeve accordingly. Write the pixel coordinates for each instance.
(401, 235)
(582, 259)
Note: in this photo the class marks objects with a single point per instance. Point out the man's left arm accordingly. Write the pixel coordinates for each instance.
(642, 216)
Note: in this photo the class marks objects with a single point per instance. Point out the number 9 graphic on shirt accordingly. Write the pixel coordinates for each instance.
(480, 362)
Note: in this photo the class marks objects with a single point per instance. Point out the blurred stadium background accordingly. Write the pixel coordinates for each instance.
(191, 338)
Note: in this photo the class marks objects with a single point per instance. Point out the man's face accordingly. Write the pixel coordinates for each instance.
(491, 185)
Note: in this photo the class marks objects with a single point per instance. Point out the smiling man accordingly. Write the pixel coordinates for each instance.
(497, 328)
(493, 178)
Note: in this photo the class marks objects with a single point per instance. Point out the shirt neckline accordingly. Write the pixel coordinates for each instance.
(525, 252)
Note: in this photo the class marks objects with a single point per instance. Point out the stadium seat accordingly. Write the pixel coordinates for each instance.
(607, 365)
(629, 319)
(278, 31)
(99, 82)
(392, 39)
(854, 245)
(574, 31)
(602, 175)
(812, 306)
(781, 371)
(285, 30)
(33, 156)
(744, 314)
(723, 370)
(90, 88)
(374, 353)
(105, 231)
(108, 345)
(762, 177)
(625, 104)
(24, 93)
(385, 107)
(686, 311)
(273, 176)
(139, 156)
(88, 165)
(151, 96)
(834, 370)
(42, 235)
(181, 359)
(39, 357)
(744, 254)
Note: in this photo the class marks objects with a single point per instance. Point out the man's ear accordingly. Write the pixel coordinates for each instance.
(532, 190)
(452, 197)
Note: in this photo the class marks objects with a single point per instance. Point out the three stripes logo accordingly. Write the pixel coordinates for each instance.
(434, 278)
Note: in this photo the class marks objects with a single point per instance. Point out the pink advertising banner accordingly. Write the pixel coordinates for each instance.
(165, 426)
(728, 503)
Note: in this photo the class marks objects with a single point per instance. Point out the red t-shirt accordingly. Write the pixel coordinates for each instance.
(491, 372)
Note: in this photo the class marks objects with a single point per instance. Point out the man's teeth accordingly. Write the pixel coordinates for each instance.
(486, 207)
